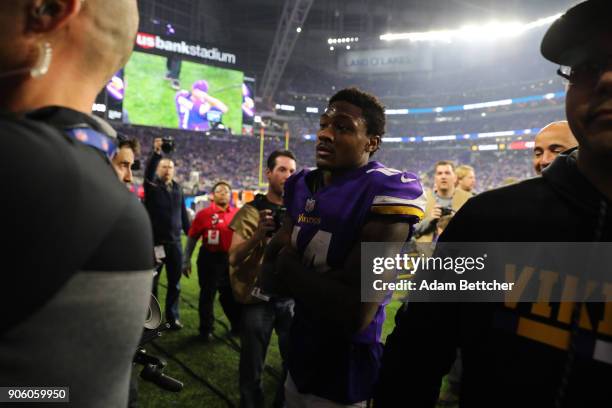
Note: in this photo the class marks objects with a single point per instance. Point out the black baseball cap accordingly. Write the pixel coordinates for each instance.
(569, 40)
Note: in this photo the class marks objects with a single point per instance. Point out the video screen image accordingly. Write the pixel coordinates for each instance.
(174, 93)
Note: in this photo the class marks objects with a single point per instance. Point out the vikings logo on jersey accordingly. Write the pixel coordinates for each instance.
(327, 223)
(310, 205)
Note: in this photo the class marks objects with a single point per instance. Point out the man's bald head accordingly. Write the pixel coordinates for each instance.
(90, 40)
(110, 39)
(552, 140)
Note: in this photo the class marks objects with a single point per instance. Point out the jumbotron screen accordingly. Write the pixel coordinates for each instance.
(175, 93)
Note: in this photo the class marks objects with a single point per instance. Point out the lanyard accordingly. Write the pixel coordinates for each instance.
(95, 139)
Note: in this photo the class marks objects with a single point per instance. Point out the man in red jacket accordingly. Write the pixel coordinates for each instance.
(212, 224)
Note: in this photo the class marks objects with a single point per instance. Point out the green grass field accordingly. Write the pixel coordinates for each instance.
(149, 99)
(209, 371)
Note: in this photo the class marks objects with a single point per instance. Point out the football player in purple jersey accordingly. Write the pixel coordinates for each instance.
(335, 341)
(193, 108)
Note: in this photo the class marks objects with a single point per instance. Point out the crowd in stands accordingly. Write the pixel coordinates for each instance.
(236, 158)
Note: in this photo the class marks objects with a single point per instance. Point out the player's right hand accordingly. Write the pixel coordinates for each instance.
(266, 224)
(157, 145)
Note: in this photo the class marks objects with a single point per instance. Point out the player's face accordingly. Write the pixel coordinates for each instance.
(198, 95)
(342, 139)
(589, 100)
(122, 163)
(285, 167)
(468, 182)
(221, 195)
(165, 170)
(445, 177)
(549, 143)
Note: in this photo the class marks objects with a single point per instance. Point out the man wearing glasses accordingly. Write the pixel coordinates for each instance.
(528, 354)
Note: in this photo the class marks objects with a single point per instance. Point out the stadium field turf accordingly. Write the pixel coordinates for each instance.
(209, 370)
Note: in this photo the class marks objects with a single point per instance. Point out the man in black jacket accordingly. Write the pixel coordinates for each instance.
(166, 206)
(528, 356)
(72, 313)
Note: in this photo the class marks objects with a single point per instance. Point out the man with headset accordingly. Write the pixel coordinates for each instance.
(72, 312)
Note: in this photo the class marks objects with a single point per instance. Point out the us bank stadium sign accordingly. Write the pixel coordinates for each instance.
(152, 42)
(385, 61)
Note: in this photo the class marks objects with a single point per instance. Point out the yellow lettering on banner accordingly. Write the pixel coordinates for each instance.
(548, 279)
(605, 325)
(569, 292)
(585, 322)
(514, 296)
(543, 333)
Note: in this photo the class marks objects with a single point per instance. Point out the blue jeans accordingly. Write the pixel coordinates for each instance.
(173, 262)
(258, 320)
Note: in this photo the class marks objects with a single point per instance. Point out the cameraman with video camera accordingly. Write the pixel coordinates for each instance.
(166, 206)
(253, 227)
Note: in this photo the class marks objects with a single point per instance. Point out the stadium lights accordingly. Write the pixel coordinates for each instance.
(289, 108)
(492, 31)
(299, 29)
(493, 104)
(475, 106)
(343, 40)
(460, 137)
(497, 134)
(439, 138)
(487, 148)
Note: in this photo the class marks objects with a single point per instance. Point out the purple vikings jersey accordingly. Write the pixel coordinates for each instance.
(189, 112)
(327, 225)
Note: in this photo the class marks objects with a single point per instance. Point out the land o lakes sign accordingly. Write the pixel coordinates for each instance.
(386, 61)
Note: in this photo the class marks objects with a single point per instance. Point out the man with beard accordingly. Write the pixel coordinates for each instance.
(528, 354)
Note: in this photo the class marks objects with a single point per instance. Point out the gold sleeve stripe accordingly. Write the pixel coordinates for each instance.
(398, 210)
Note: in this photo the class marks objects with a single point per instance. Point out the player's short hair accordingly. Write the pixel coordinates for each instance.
(373, 110)
(463, 170)
(133, 144)
(221, 183)
(271, 162)
(444, 163)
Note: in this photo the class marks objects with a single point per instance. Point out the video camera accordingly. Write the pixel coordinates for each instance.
(444, 211)
(167, 144)
(279, 216)
(154, 366)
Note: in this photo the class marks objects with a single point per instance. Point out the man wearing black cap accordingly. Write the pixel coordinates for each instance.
(531, 354)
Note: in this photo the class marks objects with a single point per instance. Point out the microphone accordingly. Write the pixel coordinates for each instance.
(41, 66)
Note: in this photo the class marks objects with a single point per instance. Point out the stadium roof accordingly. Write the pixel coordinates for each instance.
(248, 27)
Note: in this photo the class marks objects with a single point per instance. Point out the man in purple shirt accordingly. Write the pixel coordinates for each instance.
(335, 346)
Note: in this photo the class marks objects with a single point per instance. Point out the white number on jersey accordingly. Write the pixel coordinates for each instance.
(315, 254)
